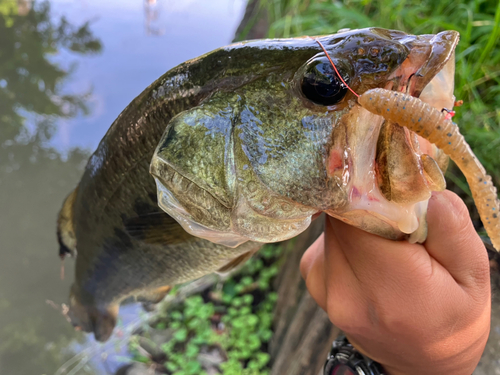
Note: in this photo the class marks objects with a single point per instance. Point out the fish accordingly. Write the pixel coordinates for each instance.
(243, 146)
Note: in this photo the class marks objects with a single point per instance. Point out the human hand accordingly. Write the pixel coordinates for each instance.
(413, 308)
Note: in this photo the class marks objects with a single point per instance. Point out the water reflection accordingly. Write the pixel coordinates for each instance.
(32, 177)
(30, 81)
(31, 329)
(66, 70)
(152, 11)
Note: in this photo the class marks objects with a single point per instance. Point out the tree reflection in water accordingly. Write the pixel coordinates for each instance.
(33, 179)
(29, 80)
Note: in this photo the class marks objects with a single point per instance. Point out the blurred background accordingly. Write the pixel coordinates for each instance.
(68, 68)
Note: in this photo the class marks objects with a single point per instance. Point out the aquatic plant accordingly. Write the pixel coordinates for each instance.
(233, 318)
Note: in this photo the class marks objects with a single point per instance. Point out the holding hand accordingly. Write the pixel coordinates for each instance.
(414, 308)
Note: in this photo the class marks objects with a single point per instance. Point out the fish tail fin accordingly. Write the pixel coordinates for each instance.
(65, 230)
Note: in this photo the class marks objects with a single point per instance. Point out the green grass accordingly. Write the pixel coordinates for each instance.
(477, 79)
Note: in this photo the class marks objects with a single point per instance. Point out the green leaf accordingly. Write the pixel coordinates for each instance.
(237, 301)
(142, 358)
(192, 350)
(192, 368)
(181, 335)
(254, 342)
(247, 299)
(171, 366)
(247, 280)
(262, 359)
(266, 335)
(176, 315)
(175, 325)
(161, 326)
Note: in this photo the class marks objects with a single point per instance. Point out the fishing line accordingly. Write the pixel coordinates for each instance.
(333, 65)
(449, 113)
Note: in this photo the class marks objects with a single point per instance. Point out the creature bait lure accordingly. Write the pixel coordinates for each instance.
(437, 128)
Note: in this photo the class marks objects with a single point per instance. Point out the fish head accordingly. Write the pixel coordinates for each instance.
(255, 161)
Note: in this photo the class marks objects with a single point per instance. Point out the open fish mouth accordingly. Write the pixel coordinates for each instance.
(428, 71)
(390, 191)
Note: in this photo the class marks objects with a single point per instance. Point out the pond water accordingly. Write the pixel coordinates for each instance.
(67, 69)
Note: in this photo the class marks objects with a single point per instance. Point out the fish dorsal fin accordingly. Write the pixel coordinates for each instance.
(156, 228)
(65, 228)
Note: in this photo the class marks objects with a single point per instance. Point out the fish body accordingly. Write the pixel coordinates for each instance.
(245, 144)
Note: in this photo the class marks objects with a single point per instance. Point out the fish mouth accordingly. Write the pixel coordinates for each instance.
(389, 192)
(428, 71)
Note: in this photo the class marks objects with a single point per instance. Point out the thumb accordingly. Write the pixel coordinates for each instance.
(453, 241)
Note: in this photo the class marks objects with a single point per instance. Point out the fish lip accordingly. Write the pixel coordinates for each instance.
(443, 47)
(413, 76)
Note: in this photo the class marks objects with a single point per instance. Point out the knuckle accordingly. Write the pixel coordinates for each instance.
(346, 310)
(459, 213)
(479, 275)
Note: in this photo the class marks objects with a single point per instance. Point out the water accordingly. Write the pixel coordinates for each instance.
(60, 89)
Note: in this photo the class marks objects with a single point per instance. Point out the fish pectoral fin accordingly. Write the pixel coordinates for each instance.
(156, 228)
(151, 297)
(236, 262)
(154, 295)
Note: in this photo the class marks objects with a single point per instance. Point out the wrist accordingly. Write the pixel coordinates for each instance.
(437, 350)
(344, 359)
(441, 358)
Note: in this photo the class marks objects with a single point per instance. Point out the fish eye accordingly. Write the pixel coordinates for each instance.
(320, 83)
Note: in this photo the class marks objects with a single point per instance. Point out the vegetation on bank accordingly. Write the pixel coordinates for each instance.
(225, 329)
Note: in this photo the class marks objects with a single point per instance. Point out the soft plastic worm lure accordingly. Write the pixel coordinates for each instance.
(437, 128)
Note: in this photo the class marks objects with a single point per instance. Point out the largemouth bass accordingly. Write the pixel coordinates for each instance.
(246, 144)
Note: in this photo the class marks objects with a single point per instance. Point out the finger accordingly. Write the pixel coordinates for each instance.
(312, 270)
(453, 241)
(389, 280)
(331, 282)
(378, 261)
(311, 254)
(346, 299)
